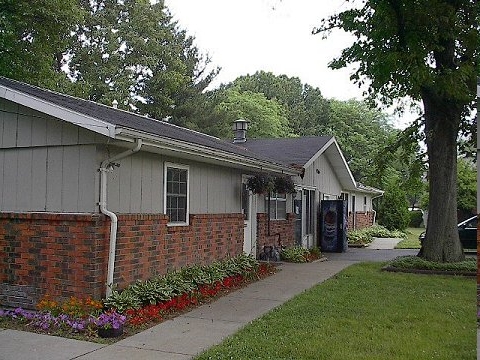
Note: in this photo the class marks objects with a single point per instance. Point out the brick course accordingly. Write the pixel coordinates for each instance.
(362, 220)
(66, 255)
(285, 228)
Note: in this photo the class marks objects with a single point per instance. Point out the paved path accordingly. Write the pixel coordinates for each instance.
(187, 335)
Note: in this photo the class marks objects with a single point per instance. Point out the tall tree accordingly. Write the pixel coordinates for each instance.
(34, 37)
(267, 117)
(362, 133)
(133, 52)
(427, 51)
(307, 109)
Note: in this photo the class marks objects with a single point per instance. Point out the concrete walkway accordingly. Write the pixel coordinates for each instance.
(189, 334)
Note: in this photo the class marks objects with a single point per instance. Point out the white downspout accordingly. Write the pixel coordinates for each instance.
(107, 165)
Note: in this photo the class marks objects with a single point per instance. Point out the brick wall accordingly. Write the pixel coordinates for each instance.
(66, 254)
(147, 247)
(57, 254)
(286, 229)
(362, 220)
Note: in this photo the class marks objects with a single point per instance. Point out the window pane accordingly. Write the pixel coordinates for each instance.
(281, 209)
(176, 201)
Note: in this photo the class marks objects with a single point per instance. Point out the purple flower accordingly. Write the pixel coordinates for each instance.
(110, 319)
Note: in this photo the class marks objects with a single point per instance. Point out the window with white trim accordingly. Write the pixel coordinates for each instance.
(278, 206)
(176, 192)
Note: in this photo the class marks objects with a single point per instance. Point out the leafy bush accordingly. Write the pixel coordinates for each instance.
(175, 284)
(358, 237)
(416, 218)
(365, 236)
(297, 254)
(393, 213)
(418, 263)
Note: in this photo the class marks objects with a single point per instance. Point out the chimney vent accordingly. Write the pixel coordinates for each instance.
(114, 104)
(240, 127)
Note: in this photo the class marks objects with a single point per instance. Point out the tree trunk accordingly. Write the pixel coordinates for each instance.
(442, 119)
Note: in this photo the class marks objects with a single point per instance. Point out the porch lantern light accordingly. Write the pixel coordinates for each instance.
(240, 127)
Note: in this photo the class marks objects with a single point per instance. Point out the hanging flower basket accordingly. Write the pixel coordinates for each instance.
(284, 185)
(263, 184)
(260, 184)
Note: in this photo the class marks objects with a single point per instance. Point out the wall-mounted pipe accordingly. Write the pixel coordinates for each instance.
(106, 166)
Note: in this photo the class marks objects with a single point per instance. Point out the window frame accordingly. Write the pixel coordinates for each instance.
(274, 200)
(168, 166)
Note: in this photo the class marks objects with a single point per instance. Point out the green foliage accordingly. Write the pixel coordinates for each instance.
(267, 117)
(393, 213)
(295, 254)
(298, 254)
(417, 263)
(365, 236)
(412, 241)
(306, 109)
(265, 183)
(416, 218)
(422, 51)
(163, 288)
(34, 37)
(362, 133)
(466, 186)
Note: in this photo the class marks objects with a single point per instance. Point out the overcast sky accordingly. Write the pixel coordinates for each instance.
(243, 37)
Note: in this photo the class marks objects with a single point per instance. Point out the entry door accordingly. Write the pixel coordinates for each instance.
(247, 200)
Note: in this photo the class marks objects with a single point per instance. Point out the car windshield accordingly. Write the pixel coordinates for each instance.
(472, 223)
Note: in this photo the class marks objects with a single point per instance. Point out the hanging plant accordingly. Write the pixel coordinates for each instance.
(284, 185)
(260, 183)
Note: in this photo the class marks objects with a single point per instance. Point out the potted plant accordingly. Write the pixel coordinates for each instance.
(284, 185)
(260, 183)
(110, 324)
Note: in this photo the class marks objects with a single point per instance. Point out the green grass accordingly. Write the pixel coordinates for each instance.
(416, 263)
(412, 241)
(364, 313)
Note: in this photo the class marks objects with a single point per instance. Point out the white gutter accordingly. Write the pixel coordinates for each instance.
(106, 166)
(204, 152)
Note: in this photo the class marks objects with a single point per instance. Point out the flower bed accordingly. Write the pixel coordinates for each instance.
(298, 254)
(141, 305)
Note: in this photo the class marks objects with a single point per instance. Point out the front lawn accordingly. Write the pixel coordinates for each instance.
(364, 313)
(412, 241)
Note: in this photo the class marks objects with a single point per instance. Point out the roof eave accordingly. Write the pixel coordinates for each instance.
(204, 152)
(84, 121)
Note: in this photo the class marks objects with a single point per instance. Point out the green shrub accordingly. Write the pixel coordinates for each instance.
(359, 237)
(164, 288)
(393, 212)
(417, 263)
(295, 254)
(416, 218)
(365, 236)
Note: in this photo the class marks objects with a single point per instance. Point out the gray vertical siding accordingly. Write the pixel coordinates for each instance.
(50, 165)
(24, 127)
(214, 189)
(326, 182)
(55, 179)
(137, 186)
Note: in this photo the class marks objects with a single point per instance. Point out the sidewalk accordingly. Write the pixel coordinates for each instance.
(189, 334)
